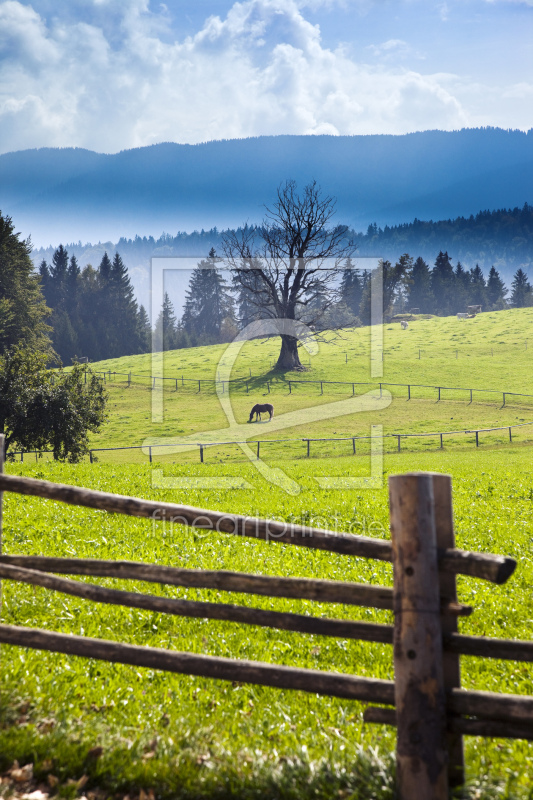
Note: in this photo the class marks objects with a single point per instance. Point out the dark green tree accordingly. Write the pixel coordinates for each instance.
(144, 330)
(420, 294)
(23, 310)
(442, 285)
(124, 322)
(462, 285)
(165, 333)
(521, 295)
(351, 288)
(478, 295)
(496, 290)
(208, 302)
(41, 410)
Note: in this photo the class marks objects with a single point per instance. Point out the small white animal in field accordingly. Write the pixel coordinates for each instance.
(404, 324)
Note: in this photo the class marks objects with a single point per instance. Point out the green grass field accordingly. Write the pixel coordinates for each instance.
(186, 737)
(345, 358)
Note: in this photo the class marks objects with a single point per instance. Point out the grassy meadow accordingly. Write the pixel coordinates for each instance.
(184, 737)
(452, 353)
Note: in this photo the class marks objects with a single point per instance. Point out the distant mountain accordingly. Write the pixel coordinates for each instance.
(60, 195)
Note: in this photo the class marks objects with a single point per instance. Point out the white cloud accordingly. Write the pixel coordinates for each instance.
(122, 80)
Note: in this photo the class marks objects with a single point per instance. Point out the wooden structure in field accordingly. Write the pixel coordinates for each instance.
(425, 701)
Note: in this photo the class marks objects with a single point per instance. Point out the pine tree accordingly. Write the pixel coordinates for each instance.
(208, 302)
(496, 290)
(58, 275)
(165, 333)
(144, 330)
(478, 295)
(124, 321)
(461, 289)
(442, 285)
(351, 288)
(522, 293)
(23, 310)
(403, 268)
(420, 294)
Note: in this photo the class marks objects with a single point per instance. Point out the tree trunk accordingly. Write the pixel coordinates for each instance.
(288, 357)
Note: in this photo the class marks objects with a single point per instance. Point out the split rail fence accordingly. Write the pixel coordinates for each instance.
(425, 701)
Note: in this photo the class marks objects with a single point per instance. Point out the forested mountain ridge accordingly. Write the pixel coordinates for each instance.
(72, 194)
(502, 238)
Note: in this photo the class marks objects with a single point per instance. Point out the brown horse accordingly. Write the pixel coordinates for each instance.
(261, 408)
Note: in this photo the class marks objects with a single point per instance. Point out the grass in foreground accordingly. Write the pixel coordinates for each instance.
(188, 737)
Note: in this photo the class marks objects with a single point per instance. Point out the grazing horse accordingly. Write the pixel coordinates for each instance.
(261, 408)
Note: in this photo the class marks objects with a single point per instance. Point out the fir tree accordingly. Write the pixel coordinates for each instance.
(461, 289)
(144, 330)
(208, 302)
(403, 269)
(165, 333)
(23, 310)
(522, 294)
(496, 290)
(477, 287)
(351, 288)
(124, 320)
(420, 294)
(442, 284)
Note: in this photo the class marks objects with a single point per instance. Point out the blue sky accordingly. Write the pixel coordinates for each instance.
(113, 74)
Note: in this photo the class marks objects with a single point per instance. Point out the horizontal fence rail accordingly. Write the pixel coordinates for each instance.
(494, 568)
(485, 705)
(154, 450)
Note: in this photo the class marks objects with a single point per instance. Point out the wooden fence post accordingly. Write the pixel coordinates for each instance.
(421, 754)
(442, 492)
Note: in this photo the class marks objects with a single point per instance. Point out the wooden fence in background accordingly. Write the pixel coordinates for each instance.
(159, 450)
(425, 701)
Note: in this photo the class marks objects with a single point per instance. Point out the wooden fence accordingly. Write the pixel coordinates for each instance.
(152, 451)
(268, 384)
(425, 701)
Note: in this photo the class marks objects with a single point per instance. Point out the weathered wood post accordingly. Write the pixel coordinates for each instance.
(442, 492)
(421, 753)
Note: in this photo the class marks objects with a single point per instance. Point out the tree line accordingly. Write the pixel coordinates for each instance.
(503, 237)
(94, 313)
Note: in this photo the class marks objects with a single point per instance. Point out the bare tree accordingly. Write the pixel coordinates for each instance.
(289, 267)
